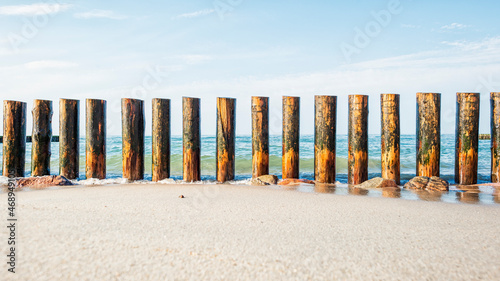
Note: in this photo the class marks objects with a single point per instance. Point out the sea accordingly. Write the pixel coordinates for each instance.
(306, 164)
(243, 163)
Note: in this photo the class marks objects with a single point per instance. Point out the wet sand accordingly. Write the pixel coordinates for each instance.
(228, 232)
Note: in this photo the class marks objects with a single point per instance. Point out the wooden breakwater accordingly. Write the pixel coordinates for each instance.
(325, 118)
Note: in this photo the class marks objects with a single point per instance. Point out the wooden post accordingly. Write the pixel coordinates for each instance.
(69, 138)
(466, 138)
(191, 139)
(226, 124)
(495, 136)
(357, 165)
(95, 141)
(161, 139)
(325, 120)
(133, 139)
(41, 137)
(291, 135)
(428, 134)
(390, 134)
(14, 138)
(260, 136)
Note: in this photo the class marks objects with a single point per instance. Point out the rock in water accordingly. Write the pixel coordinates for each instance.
(295, 181)
(417, 183)
(377, 182)
(265, 180)
(43, 181)
(432, 183)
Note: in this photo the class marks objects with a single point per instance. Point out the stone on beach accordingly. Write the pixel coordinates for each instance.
(377, 182)
(43, 181)
(265, 180)
(295, 181)
(432, 183)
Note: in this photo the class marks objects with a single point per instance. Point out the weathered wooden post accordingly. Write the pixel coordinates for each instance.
(291, 135)
(14, 138)
(495, 136)
(161, 139)
(41, 137)
(260, 136)
(191, 139)
(325, 133)
(466, 138)
(69, 138)
(95, 141)
(226, 124)
(390, 134)
(428, 134)
(133, 139)
(357, 166)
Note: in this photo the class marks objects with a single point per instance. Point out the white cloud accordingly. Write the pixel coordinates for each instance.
(44, 64)
(33, 9)
(104, 14)
(457, 53)
(492, 43)
(194, 14)
(454, 26)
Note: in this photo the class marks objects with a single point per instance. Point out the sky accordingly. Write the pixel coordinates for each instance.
(242, 48)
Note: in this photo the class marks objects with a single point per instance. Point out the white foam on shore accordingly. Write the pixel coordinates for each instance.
(89, 182)
(4, 181)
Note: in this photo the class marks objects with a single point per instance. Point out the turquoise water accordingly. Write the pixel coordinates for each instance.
(244, 157)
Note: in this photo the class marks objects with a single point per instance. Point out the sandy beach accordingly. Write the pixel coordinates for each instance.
(229, 232)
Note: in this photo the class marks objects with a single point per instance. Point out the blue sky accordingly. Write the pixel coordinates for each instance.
(240, 48)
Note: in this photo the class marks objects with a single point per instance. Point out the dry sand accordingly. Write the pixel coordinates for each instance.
(221, 232)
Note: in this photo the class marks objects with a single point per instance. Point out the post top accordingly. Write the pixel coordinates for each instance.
(428, 93)
(332, 96)
(9, 101)
(131, 99)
